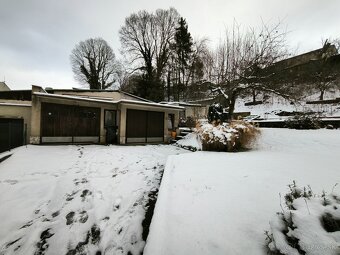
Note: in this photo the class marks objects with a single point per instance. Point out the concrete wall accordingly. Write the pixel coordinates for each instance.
(18, 112)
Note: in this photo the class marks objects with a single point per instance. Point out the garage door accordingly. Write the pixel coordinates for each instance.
(11, 133)
(144, 126)
(69, 124)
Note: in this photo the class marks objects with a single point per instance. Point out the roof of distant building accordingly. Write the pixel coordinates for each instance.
(3, 86)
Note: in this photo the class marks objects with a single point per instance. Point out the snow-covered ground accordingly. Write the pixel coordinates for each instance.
(221, 203)
(77, 199)
(275, 104)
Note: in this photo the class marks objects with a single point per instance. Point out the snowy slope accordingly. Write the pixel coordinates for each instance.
(275, 104)
(77, 199)
(221, 203)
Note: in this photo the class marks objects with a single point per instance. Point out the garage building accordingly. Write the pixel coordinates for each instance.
(83, 116)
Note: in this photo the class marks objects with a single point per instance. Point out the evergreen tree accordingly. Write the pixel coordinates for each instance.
(183, 51)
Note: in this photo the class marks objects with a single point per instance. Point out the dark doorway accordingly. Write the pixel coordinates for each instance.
(11, 134)
(110, 124)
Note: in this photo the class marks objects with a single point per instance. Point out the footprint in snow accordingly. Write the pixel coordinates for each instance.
(116, 204)
(133, 239)
(11, 182)
(85, 194)
(9, 244)
(106, 218)
(120, 230)
(28, 224)
(72, 217)
(55, 214)
(83, 216)
(70, 197)
(92, 236)
(77, 181)
(42, 245)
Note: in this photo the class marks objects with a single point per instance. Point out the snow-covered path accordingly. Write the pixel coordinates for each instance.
(221, 203)
(77, 199)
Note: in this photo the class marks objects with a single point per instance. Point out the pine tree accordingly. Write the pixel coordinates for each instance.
(183, 51)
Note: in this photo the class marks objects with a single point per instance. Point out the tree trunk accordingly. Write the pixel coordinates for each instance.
(178, 87)
(168, 86)
(231, 109)
(321, 94)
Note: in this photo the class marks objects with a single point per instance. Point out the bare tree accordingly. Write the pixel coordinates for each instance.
(185, 78)
(93, 63)
(145, 39)
(324, 73)
(241, 61)
(122, 74)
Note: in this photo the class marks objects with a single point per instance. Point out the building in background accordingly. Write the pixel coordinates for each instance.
(40, 116)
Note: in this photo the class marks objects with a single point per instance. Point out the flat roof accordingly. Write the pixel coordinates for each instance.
(125, 101)
(15, 104)
(95, 91)
(181, 103)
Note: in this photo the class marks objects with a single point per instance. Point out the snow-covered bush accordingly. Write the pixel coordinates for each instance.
(310, 224)
(303, 121)
(190, 142)
(232, 136)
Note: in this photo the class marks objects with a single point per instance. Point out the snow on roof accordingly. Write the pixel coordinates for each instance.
(151, 104)
(14, 104)
(92, 97)
(180, 103)
(132, 95)
(127, 101)
(74, 97)
(97, 90)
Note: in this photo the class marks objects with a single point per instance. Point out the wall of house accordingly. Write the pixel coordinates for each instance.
(196, 112)
(18, 111)
(4, 87)
(122, 109)
(36, 114)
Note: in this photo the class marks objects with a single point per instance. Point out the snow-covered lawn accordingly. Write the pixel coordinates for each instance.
(221, 203)
(77, 199)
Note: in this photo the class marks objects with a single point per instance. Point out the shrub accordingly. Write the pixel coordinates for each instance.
(303, 121)
(305, 226)
(233, 136)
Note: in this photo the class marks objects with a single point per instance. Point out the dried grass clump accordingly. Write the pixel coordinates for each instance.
(233, 136)
(248, 134)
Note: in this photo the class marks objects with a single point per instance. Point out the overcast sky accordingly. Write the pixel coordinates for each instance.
(37, 36)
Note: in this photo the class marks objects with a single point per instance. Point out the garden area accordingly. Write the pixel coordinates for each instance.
(264, 191)
(236, 203)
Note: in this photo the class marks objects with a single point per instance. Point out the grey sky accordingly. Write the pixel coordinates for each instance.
(37, 36)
